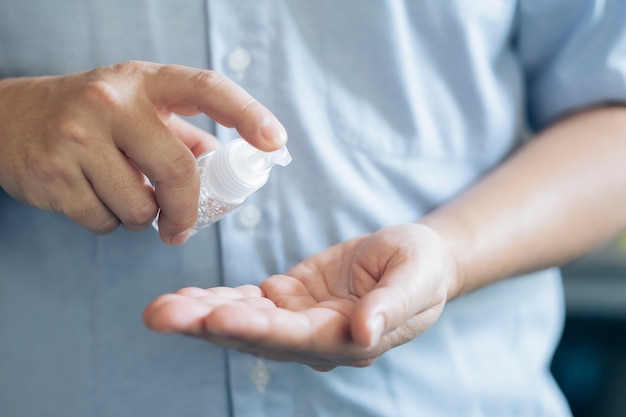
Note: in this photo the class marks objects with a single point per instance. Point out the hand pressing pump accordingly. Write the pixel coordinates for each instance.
(229, 175)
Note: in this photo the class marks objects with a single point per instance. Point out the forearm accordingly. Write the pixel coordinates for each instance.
(557, 198)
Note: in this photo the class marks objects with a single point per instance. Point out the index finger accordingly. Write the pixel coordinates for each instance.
(190, 91)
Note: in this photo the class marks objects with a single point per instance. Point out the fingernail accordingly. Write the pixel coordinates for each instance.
(272, 131)
(377, 326)
(180, 238)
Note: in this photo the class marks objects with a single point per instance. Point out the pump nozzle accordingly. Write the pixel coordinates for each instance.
(262, 162)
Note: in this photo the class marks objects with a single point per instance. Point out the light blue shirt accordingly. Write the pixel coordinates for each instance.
(393, 107)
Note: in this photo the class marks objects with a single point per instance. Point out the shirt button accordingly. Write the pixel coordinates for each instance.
(239, 60)
(249, 216)
(260, 375)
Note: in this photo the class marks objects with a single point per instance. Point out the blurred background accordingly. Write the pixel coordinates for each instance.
(590, 362)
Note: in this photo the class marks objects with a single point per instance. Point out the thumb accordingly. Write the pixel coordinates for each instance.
(381, 311)
(405, 302)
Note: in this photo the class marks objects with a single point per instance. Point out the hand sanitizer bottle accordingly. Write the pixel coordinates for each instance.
(229, 175)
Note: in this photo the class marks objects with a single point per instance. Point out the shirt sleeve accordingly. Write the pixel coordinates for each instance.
(574, 55)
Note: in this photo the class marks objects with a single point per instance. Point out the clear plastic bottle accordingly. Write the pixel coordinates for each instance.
(229, 175)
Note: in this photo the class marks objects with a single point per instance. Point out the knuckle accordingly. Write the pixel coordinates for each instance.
(140, 216)
(207, 80)
(130, 67)
(106, 226)
(75, 131)
(90, 214)
(363, 363)
(250, 108)
(180, 169)
(101, 93)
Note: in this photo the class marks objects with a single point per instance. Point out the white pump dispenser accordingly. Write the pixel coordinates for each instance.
(229, 175)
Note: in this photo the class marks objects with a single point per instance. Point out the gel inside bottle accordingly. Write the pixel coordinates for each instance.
(229, 175)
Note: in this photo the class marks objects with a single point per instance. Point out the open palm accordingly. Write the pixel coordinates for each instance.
(345, 305)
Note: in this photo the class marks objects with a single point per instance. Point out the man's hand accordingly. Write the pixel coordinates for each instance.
(343, 306)
(90, 144)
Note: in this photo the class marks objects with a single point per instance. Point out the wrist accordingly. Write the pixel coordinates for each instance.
(456, 268)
